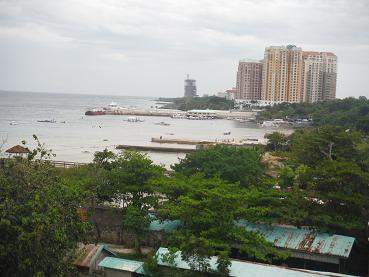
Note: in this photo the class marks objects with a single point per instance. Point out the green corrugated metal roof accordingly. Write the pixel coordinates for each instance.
(285, 237)
(241, 269)
(122, 264)
(167, 226)
(303, 239)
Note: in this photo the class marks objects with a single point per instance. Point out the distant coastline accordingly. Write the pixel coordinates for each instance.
(202, 103)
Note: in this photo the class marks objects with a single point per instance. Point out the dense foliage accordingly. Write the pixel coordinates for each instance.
(348, 112)
(202, 103)
(126, 182)
(235, 165)
(330, 178)
(39, 223)
(208, 210)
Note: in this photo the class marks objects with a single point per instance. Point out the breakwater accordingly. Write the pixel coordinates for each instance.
(181, 141)
(199, 143)
(155, 148)
(192, 114)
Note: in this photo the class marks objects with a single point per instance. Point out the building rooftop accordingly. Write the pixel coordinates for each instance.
(250, 61)
(316, 53)
(87, 254)
(167, 226)
(244, 268)
(284, 47)
(293, 238)
(303, 239)
(17, 149)
(122, 264)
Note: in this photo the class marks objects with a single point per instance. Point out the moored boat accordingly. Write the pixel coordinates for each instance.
(95, 112)
(134, 119)
(162, 123)
(47, 121)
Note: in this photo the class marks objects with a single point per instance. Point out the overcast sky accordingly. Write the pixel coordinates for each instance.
(146, 47)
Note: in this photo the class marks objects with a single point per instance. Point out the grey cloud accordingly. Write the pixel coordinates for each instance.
(82, 40)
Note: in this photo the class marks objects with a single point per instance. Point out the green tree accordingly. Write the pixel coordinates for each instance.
(126, 182)
(208, 210)
(137, 221)
(229, 163)
(310, 146)
(286, 177)
(276, 141)
(39, 223)
(104, 158)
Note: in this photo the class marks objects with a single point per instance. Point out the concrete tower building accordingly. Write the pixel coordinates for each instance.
(319, 76)
(282, 74)
(249, 80)
(190, 87)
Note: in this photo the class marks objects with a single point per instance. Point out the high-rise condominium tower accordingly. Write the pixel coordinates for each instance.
(319, 76)
(282, 74)
(249, 76)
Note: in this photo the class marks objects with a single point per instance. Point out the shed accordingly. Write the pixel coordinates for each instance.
(17, 151)
(167, 226)
(304, 243)
(115, 267)
(244, 268)
(89, 256)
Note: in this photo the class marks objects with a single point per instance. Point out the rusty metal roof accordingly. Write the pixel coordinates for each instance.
(86, 254)
(303, 239)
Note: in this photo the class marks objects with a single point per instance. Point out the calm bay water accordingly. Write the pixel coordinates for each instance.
(80, 136)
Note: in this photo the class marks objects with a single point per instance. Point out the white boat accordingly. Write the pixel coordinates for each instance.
(113, 106)
(276, 123)
(134, 119)
(179, 116)
(269, 124)
(13, 123)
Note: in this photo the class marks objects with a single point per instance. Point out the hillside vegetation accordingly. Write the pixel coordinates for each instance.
(348, 112)
(201, 103)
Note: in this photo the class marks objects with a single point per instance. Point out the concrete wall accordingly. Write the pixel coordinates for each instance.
(109, 229)
(116, 273)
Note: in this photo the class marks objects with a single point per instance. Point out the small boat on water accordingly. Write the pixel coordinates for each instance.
(134, 119)
(241, 120)
(275, 123)
(13, 123)
(227, 133)
(95, 112)
(162, 123)
(47, 121)
(179, 116)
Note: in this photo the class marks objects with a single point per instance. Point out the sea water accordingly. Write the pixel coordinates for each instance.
(76, 137)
